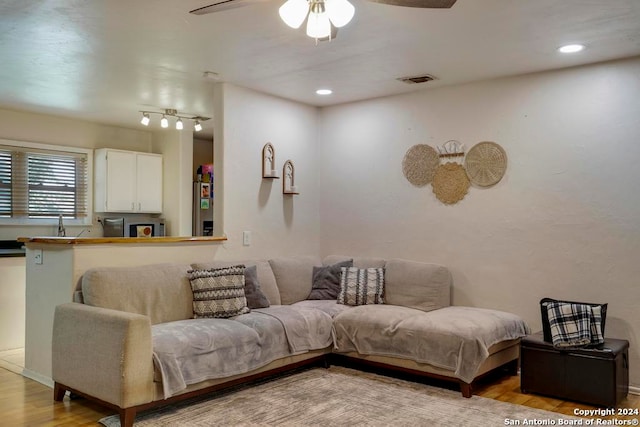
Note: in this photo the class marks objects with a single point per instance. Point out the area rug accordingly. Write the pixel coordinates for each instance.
(340, 397)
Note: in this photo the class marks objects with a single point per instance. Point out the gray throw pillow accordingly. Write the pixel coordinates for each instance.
(326, 280)
(255, 297)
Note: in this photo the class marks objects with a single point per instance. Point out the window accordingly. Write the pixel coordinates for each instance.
(40, 182)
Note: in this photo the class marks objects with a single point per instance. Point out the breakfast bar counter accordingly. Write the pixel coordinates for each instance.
(119, 240)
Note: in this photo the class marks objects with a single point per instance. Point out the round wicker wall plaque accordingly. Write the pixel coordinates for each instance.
(419, 164)
(450, 183)
(486, 163)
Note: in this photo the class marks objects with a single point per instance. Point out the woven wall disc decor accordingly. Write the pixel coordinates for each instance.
(486, 163)
(450, 183)
(419, 164)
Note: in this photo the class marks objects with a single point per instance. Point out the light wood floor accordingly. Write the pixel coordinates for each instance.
(24, 402)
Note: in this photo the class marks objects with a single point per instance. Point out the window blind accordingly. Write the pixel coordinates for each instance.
(5, 183)
(43, 184)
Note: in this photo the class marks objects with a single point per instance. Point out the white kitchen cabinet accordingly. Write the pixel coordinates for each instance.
(127, 181)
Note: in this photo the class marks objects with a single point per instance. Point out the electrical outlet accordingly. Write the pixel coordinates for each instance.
(246, 238)
(37, 256)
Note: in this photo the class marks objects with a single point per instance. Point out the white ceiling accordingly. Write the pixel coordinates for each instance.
(104, 60)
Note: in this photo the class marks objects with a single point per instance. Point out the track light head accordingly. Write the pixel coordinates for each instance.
(197, 126)
(145, 119)
(164, 122)
(179, 125)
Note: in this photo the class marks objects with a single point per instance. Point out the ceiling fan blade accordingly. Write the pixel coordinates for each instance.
(426, 4)
(223, 5)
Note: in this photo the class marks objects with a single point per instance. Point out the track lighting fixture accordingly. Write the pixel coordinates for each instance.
(169, 112)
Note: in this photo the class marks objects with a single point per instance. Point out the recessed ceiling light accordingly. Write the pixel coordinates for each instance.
(324, 91)
(571, 48)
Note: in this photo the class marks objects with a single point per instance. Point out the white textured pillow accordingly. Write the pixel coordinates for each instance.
(361, 286)
(218, 292)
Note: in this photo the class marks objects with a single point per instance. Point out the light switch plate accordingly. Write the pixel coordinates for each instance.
(37, 256)
(246, 238)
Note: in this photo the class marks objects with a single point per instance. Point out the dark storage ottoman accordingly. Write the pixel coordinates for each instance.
(597, 375)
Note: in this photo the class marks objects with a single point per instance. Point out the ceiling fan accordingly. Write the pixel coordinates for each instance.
(323, 16)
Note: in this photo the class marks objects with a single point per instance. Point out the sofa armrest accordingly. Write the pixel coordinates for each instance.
(103, 353)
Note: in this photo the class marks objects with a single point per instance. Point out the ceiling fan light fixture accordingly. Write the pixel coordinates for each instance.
(294, 12)
(340, 12)
(318, 24)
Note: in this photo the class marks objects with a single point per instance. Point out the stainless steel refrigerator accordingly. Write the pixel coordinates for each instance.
(202, 209)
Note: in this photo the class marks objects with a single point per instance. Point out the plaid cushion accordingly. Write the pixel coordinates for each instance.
(360, 286)
(574, 325)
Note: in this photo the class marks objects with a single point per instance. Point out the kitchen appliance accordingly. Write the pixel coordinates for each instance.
(202, 209)
(133, 227)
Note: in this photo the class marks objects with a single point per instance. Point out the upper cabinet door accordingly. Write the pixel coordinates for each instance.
(127, 181)
(120, 181)
(149, 183)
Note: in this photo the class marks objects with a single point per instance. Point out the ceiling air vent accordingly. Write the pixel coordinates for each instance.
(417, 79)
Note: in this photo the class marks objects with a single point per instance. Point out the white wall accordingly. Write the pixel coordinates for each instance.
(564, 222)
(280, 225)
(31, 127)
(176, 146)
(12, 302)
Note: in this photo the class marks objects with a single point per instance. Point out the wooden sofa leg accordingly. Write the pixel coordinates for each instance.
(58, 392)
(465, 388)
(127, 416)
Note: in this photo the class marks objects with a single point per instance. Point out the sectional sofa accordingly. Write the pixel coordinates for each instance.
(130, 340)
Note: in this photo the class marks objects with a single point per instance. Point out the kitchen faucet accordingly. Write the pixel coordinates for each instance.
(61, 230)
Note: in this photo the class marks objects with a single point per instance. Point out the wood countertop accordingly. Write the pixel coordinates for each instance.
(118, 240)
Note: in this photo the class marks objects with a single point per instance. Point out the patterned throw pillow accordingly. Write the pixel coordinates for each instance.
(360, 286)
(218, 292)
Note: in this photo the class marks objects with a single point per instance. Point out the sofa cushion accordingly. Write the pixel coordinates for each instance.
(218, 292)
(360, 262)
(253, 293)
(361, 286)
(266, 278)
(417, 285)
(293, 276)
(329, 306)
(454, 338)
(326, 280)
(160, 291)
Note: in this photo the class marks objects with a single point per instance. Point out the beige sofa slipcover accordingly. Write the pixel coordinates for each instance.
(105, 347)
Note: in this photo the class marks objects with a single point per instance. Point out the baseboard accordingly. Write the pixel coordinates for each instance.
(37, 377)
(634, 390)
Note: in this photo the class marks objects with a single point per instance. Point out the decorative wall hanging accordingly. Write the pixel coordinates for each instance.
(289, 178)
(450, 183)
(269, 162)
(452, 149)
(486, 164)
(419, 164)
